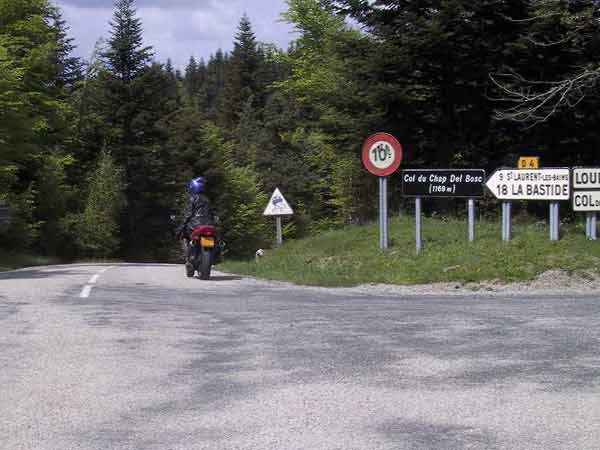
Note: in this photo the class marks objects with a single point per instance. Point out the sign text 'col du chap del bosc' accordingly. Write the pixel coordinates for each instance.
(443, 183)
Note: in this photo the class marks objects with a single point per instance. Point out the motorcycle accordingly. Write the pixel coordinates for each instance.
(203, 251)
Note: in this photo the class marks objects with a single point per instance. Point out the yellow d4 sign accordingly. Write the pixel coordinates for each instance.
(529, 162)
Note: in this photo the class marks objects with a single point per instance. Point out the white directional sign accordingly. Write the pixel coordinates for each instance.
(586, 189)
(531, 184)
(586, 201)
(278, 206)
(586, 178)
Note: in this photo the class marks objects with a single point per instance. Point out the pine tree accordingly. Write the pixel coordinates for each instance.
(126, 55)
(201, 95)
(190, 79)
(125, 59)
(169, 68)
(215, 82)
(70, 68)
(97, 228)
(240, 81)
(246, 52)
(195, 85)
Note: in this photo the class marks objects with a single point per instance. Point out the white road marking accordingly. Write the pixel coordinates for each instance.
(87, 289)
(85, 293)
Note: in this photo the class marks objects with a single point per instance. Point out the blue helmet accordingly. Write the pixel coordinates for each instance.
(196, 186)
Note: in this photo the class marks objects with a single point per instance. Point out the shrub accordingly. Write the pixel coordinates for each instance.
(97, 227)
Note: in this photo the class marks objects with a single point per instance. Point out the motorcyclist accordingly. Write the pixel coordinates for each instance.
(197, 213)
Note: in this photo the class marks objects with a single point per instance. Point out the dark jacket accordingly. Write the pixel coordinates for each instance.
(197, 213)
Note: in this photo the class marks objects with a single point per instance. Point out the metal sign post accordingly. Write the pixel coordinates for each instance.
(279, 231)
(380, 212)
(418, 225)
(586, 196)
(471, 213)
(278, 207)
(381, 156)
(443, 183)
(588, 221)
(383, 214)
(591, 226)
(506, 221)
(554, 222)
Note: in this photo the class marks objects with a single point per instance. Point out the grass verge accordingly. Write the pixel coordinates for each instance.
(11, 261)
(350, 256)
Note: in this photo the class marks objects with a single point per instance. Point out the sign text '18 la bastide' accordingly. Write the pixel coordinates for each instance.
(535, 184)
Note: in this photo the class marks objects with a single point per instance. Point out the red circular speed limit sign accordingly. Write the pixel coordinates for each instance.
(382, 154)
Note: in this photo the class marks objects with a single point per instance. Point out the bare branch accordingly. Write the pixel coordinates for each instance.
(570, 36)
(535, 102)
(529, 19)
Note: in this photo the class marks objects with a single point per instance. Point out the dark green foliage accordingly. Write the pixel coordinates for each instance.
(33, 72)
(37, 76)
(215, 83)
(54, 194)
(23, 231)
(204, 84)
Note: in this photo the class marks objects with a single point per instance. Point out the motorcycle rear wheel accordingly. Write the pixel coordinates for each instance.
(205, 263)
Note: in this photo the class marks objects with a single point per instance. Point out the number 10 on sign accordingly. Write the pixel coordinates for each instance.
(381, 156)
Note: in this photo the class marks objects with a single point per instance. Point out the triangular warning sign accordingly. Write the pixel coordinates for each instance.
(278, 205)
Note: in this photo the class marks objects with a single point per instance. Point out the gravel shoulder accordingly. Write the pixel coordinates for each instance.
(553, 283)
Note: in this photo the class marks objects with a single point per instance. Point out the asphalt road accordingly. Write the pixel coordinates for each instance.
(151, 360)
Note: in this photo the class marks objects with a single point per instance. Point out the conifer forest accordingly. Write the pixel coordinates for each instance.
(96, 153)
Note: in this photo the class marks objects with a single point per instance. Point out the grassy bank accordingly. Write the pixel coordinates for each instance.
(350, 256)
(11, 261)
